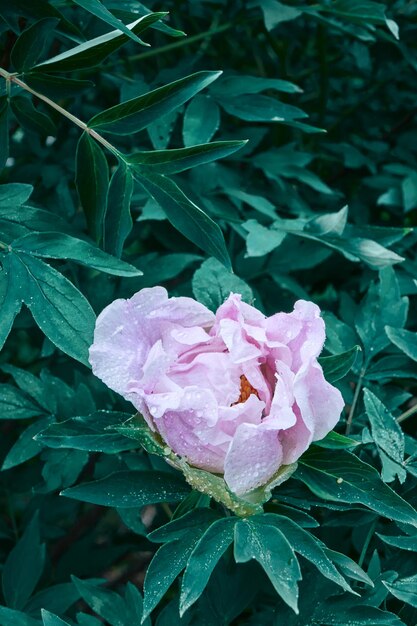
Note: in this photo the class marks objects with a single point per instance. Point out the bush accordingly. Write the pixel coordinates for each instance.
(271, 152)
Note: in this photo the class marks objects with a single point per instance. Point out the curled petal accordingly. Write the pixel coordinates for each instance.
(254, 456)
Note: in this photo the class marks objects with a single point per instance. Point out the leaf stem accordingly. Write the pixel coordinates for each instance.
(13, 78)
(367, 542)
(183, 42)
(404, 416)
(355, 400)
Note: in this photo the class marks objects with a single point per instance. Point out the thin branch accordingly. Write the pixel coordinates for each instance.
(355, 400)
(404, 416)
(13, 78)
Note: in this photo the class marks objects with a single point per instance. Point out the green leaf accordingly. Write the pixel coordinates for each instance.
(212, 284)
(335, 441)
(337, 366)
(58, 308)
(128, 489)
(25, 447)
(261, 240)
(167, 563)
(32, 43)
(275, 12)
(57, 598)
(259, 108)
(306, 544)
(201, 120)
(62, 246)
(388, 436)
(15, 404)
(118, 222)
(404, 589)
(93, 52)
(253, 540)
(78, 434)
(4, 131)
(342, 477)
(14, 194)
(30, 118)
(382, 306)
(182, 536)
(168, 162)
(186, 216)
(109, 605)
(134, 115)
(49, 619)
(203, 559)
(10, 617)
(23, 567)
(239, 84)
(92, 180)
(403, 542)
(405, 340)
(56, 86)
(10, 297)
(95, 7)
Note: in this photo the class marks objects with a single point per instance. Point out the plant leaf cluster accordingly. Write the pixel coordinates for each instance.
(262, 147)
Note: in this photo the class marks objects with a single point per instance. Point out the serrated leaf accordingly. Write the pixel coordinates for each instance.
(342, 477)
(32, 43)
(127, 489)
(212, 284)
(23, 567)
(186, 216)
(92, 180)
(337, 366)
(134, 115)
(253, 540)
(118, 221)
(61, 246)
(94, 51)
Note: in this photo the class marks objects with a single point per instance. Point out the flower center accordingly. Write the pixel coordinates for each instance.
(246, 390)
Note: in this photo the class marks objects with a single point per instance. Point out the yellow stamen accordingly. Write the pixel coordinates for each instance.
(246, 390)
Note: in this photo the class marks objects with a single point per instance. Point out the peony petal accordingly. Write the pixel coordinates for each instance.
(320, 403)
(294, 440)
(255, 454)
(120, 347)
(309, 342)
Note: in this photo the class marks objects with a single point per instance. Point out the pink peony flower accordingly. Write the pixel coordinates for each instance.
(235, 393)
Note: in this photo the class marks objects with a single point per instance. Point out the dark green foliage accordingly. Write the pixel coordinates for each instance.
(271, 151)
